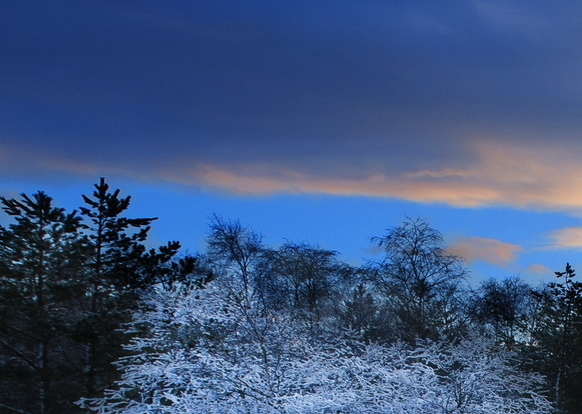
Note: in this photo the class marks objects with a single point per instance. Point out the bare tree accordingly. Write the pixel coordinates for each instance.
(420, 281)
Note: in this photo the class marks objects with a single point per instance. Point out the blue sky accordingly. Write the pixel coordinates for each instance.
(323, 122)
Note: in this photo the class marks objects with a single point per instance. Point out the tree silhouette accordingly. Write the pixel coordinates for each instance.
(558, 350)
(41, 277)
(420, 281)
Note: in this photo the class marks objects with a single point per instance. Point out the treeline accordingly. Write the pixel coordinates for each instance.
(68, 283)
(91, 319)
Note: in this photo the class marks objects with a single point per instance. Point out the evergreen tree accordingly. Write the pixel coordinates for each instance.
(41, 279)
(66, 289)
(558, 340)
(118, 266)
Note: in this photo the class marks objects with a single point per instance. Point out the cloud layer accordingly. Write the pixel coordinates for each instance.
(471, 104)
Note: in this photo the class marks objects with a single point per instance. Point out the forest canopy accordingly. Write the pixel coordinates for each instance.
(93, 320)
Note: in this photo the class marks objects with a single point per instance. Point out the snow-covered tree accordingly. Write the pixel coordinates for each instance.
(213, 351)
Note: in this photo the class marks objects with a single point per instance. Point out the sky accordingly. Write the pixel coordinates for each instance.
(309, 121)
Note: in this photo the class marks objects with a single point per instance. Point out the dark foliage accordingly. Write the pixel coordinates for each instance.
(68, 282)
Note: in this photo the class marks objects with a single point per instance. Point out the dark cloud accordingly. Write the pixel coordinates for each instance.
(343, 89)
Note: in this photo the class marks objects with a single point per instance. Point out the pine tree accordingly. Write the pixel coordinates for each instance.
(558, 350)
(40, 280)
(119, 265)
(67, 286)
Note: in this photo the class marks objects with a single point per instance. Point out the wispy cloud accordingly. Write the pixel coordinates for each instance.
(502, 175)
(567, 238)
(534, 177)
(489, 250)
(540, 269)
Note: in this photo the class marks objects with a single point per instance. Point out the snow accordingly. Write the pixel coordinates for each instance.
(210, 351)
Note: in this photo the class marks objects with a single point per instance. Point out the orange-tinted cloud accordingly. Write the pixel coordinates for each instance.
(538, 176)
(269, 179)
(508, 175)
(568, 238)
(489, 250)
(540, 269)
